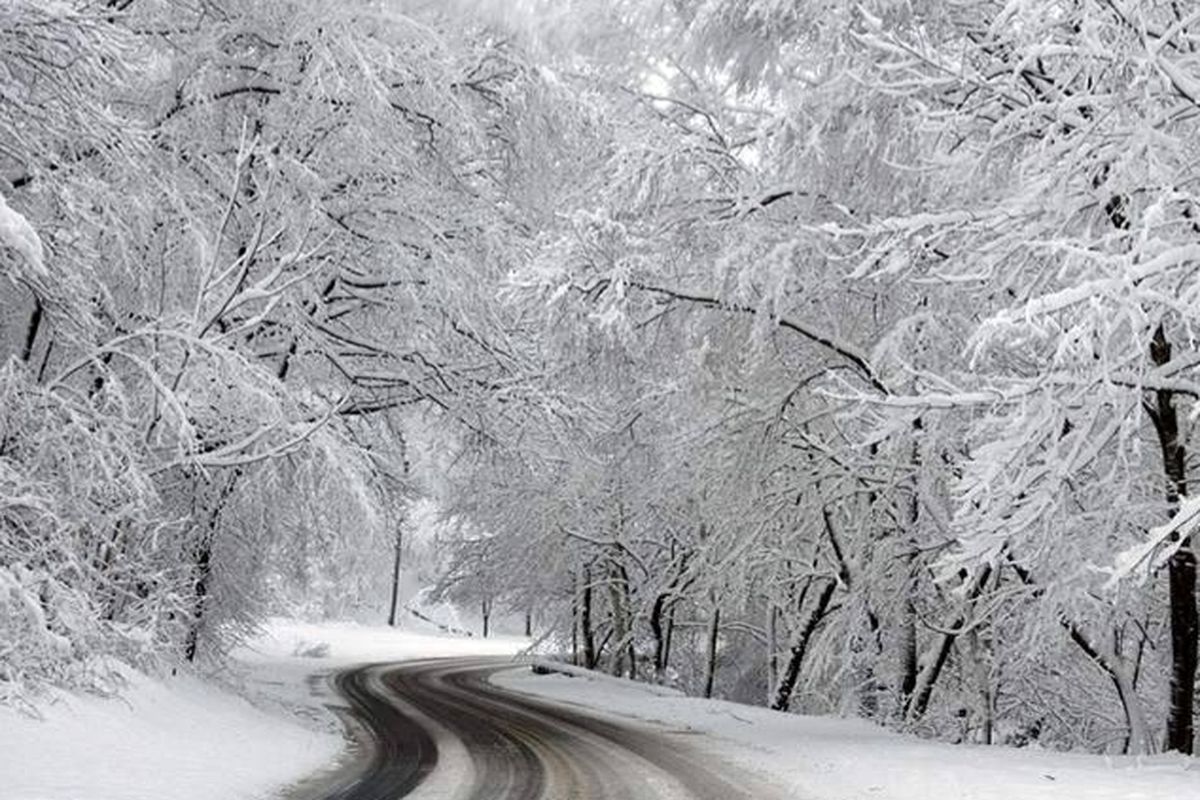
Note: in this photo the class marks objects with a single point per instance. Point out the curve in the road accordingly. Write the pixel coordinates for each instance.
(519, 747)
(402, 752)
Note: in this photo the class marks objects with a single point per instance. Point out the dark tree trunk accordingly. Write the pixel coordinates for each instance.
(398, 556)
(710, 671)
(791, 670)
(31, 330)
(485, 608)
(908, 632)
(657, 614)
(199, 595)
(1180, 720)
(909, 661)
(41, 376)
(575, 619)
(919, 702)
(668, 636)
(908, 638)
(396, 564)
(662, 614)
(1181, 569)
(203, 566)
(934, 663)
(585, 621)
(528, 623)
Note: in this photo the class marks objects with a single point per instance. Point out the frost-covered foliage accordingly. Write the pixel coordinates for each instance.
(87, 560)
(336, 519)
(889, 317)
(210, 299)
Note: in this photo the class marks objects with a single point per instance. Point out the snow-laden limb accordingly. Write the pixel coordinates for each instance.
(1162, 542)
(18, 234)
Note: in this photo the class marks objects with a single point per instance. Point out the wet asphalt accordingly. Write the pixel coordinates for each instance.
(438, 730)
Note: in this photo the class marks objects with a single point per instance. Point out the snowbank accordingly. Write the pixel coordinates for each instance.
(822, 758)
(181, 738)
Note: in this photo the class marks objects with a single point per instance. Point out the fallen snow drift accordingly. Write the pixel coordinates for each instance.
(821, 758)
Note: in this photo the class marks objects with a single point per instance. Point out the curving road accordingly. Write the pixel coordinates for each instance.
(437, 730)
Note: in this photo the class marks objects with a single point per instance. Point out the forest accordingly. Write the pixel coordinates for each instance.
(836, 357)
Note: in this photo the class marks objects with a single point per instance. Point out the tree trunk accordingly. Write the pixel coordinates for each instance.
(662, 614)
(976, 652)
(585, 622)
(396, 564)
(623, 650)
(908, 621)
(908, 640)
(31, 330)
(199, 595)
(203, 566)
(41, 376)
(670, 633)
(657, 612)
(485, 608)
(528, 623)
(869, 686)
(710, 669)
(575, 620)
(932, 670)
(772, 650)
(928, 676)
(1181, 569)
(1180, 720)
(791, 671)
(1139, 741)
(575, 627)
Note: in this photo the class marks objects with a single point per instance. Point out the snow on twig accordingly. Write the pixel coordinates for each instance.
(1161, 543)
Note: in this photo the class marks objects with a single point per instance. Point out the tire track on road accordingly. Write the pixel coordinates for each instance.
(513, 746)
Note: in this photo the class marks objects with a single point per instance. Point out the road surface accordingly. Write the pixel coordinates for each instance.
(437, 730)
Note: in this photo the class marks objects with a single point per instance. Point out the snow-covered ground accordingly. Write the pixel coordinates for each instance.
(180, 737)
(190, 739)
(821, 758)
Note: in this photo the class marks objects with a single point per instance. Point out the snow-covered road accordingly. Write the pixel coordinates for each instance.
(440, 729)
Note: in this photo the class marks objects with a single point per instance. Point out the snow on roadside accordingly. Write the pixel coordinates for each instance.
(338, 644)
(180, 737)
(823, 758)
(189, 739)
